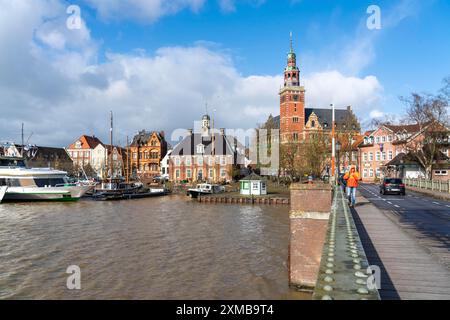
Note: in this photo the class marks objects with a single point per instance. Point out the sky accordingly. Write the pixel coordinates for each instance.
(157, 63)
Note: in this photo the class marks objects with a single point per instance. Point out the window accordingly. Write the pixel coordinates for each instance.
(313, 124)
(295, 136)
(371, 173)
(134, 155)
(295, 97)
(263, 186)
(245, 185)
(210, 161)
(440, 172)
(211, 173)
(383, 156)
(188, 173)
(177, 174)
(365, 172)
(370, 156)
(201, 149)
(295, 107)
(377, 156)
(78, 145)
(154, 155)
(390, 155)
(223, 161)
(365, 156)
(378, 172)
(188, 161)
(223, 173)
(295, 119)
(389, 139)
(200, 161)
(383, 139)
(377, 139)
(255, 185)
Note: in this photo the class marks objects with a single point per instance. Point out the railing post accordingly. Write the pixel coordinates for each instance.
(310, 212)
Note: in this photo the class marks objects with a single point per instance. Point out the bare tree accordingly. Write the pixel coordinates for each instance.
(430, 113)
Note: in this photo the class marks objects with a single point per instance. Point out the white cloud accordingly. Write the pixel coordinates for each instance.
(328, 87)
(51, 80)
(376, 114)
(144, 10)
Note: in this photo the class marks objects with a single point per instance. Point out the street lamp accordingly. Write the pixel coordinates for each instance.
(338, 149)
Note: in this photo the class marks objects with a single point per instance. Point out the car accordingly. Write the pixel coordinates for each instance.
(392, 186)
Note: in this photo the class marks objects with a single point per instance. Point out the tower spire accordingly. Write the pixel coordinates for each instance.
(291, 43)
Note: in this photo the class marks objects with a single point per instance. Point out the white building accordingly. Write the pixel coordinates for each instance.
(253, 185)
(165, 174)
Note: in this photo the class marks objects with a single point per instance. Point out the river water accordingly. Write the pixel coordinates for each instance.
(159, 248)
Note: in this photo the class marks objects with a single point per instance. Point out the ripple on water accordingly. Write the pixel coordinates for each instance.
(161, 248)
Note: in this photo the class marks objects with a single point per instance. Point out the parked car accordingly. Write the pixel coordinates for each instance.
(392, 186)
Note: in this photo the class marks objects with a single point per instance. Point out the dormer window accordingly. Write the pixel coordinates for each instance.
(78, 145)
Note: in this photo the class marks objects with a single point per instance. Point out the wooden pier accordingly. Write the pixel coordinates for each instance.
(244, 200)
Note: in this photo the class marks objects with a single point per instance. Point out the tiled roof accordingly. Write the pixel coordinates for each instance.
(87, 142)
(143, 137)
(223, 145)
(409, 128)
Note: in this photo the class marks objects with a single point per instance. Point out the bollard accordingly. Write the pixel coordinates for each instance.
(309, 215)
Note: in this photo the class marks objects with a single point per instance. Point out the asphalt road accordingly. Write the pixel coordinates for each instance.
(423, 217)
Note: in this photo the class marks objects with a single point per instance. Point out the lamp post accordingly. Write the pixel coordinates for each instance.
(338, 149)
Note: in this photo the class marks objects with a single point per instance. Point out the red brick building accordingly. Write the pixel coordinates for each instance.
(296, 121)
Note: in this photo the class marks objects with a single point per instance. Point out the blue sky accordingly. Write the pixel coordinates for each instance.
(412, 55)
(156, 63)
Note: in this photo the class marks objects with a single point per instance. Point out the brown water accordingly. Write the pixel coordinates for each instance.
(159, 248)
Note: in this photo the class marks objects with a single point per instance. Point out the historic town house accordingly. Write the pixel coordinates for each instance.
(147, 151)
(206, 156)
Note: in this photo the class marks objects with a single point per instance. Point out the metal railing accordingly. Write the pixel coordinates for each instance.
(433, 185)
(344, 270)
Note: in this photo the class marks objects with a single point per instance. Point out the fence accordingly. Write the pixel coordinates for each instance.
(434, 185)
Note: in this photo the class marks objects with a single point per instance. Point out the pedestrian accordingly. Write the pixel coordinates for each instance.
(352, 181)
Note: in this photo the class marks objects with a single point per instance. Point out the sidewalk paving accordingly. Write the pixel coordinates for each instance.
(408, 270)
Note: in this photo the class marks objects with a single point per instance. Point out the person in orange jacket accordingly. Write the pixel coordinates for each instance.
(352, 179)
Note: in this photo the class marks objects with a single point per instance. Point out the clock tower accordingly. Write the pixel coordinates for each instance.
(292, 102)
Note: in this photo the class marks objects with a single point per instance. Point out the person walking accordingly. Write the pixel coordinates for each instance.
(352, 181)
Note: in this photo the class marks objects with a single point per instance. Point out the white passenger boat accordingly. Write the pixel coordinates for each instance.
(205, 189)
(19, 183)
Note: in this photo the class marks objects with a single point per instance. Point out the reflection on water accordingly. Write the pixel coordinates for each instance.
(159, 248)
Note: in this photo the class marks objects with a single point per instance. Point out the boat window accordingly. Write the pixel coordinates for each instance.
(12, 163)
(43, 182)
(13, 182)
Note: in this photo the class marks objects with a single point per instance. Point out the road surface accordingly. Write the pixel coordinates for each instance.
(408, 238)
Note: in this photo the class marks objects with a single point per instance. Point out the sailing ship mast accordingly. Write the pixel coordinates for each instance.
(111, 145)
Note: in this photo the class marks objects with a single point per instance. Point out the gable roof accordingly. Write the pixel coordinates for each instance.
(325, 116)
(87, 142)
(143, 137)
